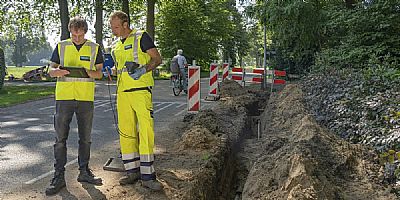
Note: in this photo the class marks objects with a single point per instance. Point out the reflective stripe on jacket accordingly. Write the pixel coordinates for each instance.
(129, 52)
(81, 89)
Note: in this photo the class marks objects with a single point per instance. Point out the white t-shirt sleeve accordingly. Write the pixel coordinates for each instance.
(181, 61)
(184, 60)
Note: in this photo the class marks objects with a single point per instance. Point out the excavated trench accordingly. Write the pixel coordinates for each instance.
(237, 164)
(235, 125)
(294, 158)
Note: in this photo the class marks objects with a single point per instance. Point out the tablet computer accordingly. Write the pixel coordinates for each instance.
(76, 72)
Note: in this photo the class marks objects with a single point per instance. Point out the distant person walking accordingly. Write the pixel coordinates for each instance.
(181, 60)
(74, 95)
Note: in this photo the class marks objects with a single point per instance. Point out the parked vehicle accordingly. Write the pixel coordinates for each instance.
(37, 74)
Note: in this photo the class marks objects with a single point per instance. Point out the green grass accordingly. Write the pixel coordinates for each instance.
(206, 156)
(11, 95)
(19, 71)
(164, 75)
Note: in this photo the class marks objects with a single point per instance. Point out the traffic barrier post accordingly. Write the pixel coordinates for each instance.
(275, 80)
(213, 86)
(225, 71)
(255, 75)
(194, 88)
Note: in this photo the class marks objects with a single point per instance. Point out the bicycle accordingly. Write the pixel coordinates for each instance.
(177, 84)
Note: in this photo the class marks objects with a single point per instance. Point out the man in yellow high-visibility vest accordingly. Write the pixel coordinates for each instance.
(74, 95)
(135, 56)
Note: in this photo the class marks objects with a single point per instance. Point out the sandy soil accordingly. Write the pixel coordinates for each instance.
(302, 160)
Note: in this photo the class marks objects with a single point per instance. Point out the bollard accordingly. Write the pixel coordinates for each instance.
(225, 71)
(213, 89)
(194, 88)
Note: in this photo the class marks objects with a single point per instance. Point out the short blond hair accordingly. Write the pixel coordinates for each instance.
(120, 15)
(77, 23)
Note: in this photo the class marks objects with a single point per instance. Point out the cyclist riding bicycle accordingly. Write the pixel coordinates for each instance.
(179, 67)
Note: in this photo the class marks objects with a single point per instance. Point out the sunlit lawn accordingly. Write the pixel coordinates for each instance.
(11, 95)
(164, 75)
(17, 72)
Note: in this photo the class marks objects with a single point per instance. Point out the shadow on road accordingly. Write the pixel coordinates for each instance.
(65, 194)
(93, 192)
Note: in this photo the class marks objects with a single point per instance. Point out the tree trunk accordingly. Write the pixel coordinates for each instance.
(19, 56)
(233, 58)
(64, 17)
(2, 68)
(99, 23)
(225, 55)
(150, 18)
(16, 54)
(125, 9)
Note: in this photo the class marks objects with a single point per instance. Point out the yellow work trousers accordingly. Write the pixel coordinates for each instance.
(136, 127)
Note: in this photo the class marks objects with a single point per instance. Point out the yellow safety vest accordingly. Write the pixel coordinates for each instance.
(130, 51)
(81, 89)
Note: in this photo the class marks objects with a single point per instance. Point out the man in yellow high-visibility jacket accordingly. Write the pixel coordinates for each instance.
(135, 56)
(74, 95)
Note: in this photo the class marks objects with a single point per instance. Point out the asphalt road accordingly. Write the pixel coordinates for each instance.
(27, 132)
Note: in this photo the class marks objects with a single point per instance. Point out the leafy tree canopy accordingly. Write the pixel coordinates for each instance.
(200, 28)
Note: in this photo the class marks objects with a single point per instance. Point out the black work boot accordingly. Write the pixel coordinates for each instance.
(152, 184)
(130, 178)
(57, 183)
(86, 175)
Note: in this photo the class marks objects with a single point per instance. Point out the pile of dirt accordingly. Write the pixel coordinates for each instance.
(251, 98)
(299, 159)
(230, 88)
(212, 137)
(197, 138)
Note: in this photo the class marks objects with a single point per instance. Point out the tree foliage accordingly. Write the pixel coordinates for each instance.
(182, 25)
(200, 28)
(206, 30)
(2, 68)
(20, 30)
(362, 37)
(331, 34)
(296, 31)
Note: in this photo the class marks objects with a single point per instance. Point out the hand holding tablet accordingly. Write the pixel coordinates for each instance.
(75, 72)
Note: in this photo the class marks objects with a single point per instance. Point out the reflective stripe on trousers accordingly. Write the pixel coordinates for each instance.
(135, 122)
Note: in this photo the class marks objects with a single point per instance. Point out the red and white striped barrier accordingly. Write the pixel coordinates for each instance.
(225, 71)
(213, 91)
(255, 75)
(247, 75)
(194, 88)
(274, 79)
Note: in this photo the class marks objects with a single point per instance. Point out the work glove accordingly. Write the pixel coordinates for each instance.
(137, 73)
(114, 71)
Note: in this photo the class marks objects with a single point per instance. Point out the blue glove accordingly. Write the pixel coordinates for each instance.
(137, 73)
